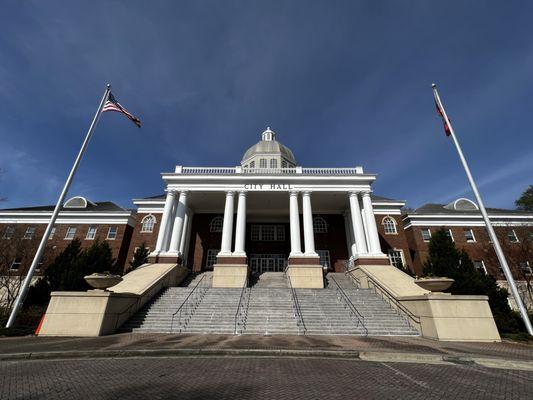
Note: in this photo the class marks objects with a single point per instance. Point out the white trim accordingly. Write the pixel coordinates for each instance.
(89, 230)
(67, 233)
(430, 235)
(395, 224)
(473, 236)
(109, 231)
(451, 234)
(153, 226)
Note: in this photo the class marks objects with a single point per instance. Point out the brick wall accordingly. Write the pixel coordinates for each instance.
(119, 245)
(394, 241)
(480, 250)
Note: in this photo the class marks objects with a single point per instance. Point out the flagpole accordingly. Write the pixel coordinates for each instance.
(40, 250)
(490, 229)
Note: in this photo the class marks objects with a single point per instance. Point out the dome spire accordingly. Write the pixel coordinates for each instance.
(268, 135)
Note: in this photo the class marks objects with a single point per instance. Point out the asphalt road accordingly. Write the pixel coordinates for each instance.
(256, 378)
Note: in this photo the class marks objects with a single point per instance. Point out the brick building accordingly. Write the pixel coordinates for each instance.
(268, 213)
(80, 218)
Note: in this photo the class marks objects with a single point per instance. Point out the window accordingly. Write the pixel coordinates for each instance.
(91, 233)
(525, 268)
(396, 258)
(511, 235)
(389, 226)
(216, 224)
(16, 264)
(252, 164)
(52, 233)
(148, 223)
(268, 233)
(324, 258)
(8, 233)
(320, 225)
(211, 257)
(112, 233)
(449, 234)
(71, 232)
(273, 163)
(469, 236)
(480, 266)
(283, 164)
(30, 231)
(426, 235)
(262, 163)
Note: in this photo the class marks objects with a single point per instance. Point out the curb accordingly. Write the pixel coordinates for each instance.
(371, 356)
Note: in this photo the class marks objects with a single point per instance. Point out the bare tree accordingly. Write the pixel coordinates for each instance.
(16, 254)
(517, 245)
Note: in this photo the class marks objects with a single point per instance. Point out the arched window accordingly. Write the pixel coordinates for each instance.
(273, 163)
(148, 223)
(263, 163)
(389, 225)
(320, 225)
(252, 164)
(216, 224)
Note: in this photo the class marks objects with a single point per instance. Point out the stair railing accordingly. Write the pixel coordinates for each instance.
(386, 295)
(356, 316)
(296, 307)
(242, 309)
(188, 306)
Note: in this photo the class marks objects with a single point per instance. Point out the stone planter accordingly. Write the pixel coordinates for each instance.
(435, 284)
(102, 282)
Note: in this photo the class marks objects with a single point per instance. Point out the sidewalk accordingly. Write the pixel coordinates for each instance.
(399, 349)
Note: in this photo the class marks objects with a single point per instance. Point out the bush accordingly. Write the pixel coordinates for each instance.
(446, 261)
(68, 269)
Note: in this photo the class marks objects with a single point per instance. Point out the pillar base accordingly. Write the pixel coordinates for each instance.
(302, 259)
(371, 259)
(306, 276)
(165, 258)
(230, 275)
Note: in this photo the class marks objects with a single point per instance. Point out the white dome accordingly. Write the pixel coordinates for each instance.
(269, 146)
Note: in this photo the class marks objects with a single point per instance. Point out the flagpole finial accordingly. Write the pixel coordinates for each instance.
(433, 85)
(108, 86)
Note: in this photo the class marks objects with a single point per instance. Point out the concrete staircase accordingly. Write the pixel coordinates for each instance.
(267, 308)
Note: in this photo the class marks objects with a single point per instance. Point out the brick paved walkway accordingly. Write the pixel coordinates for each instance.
(257, 378)
(514, 351)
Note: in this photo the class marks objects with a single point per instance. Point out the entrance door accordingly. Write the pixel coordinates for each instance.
(260, 263)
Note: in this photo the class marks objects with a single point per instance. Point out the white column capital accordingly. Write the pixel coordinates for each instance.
(230, 192)
(294, 193)
(365, 193)
(243, 193)
(306, 193)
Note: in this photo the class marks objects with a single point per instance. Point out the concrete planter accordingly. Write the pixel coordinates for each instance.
(435, 284)
(102, 282)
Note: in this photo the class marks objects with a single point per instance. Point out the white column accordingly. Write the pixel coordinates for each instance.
(348, 230)
(227, 228)
(240, 229)
(183, 238)
(165, 218)
(177, 229)
(296, 246)
(309, 237)
(360, 246)
(373, 236)
(190, 216)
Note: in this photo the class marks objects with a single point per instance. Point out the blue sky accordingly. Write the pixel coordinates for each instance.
(343, 83)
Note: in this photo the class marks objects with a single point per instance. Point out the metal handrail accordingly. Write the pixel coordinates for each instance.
(353, 310)
(239, 312)
(296, 307)
(185, 302)
(384, 292)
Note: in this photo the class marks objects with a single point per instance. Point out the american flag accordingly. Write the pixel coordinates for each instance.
(113, 105)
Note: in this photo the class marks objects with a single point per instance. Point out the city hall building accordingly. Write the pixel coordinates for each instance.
(269, 214)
